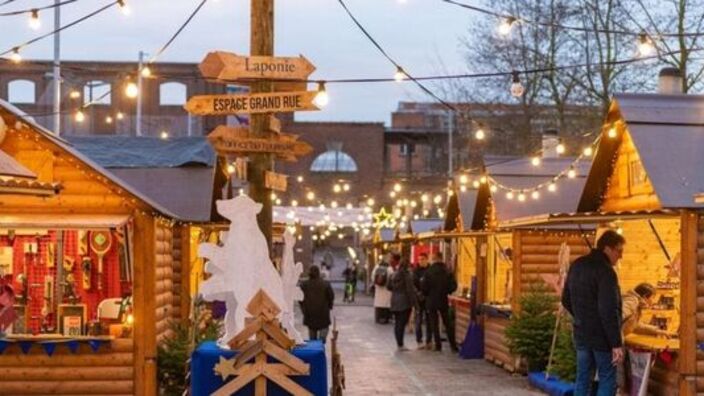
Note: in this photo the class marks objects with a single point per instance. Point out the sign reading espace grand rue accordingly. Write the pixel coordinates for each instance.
(251, 103)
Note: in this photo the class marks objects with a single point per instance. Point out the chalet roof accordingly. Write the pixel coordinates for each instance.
(19, 115)
(668, 133)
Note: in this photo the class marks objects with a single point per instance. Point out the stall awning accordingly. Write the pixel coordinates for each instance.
(585, 218)
(61, 221)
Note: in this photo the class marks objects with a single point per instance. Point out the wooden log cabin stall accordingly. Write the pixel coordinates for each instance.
(643, 183)
(90, 261)
(486, 251)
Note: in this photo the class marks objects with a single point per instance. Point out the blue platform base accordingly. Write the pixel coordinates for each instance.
(204, 381)
(552, 386)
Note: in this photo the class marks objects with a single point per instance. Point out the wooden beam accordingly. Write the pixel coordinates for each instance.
(688, 298)
(516, 290)
(144, 305)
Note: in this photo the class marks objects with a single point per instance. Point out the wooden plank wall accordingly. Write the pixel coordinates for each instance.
(109, 371)
(466, 262)
(163, 291)
(535, 253)
(499, 270)
(176, 274)
(699, 306)
(495, 348)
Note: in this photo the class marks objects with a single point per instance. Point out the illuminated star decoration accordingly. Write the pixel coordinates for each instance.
(382, 219)
(225, 367)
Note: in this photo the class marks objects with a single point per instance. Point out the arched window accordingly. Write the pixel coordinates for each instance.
(21, 91)
(334, 160)
(172, 94)
(97, 92)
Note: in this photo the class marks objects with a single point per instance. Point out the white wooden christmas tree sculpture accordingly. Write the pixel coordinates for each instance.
(241, 267)
(290, 273)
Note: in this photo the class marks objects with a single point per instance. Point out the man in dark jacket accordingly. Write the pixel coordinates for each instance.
(593, 298)
(317, 302)
(403, 299)
(421, 311)
(438, 283)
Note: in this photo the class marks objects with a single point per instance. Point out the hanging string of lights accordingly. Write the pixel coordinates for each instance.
(36, 9)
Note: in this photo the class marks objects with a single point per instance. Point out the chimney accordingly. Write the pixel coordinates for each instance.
(550, 142)
(670, 81)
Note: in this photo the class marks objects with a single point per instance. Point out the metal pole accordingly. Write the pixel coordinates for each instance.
(138, 127)
(57, 69)
(450, 127)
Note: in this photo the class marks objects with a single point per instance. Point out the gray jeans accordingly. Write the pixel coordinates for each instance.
(320, 334)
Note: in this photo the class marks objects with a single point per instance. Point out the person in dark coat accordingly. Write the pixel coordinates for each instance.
(317, 302)
(403, 299)
(593, 297)
(421, 313)
(437, 285)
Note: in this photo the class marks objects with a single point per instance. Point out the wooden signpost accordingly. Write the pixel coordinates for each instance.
(237, 140)
(223, 65)
(275, 181)
(251, 103)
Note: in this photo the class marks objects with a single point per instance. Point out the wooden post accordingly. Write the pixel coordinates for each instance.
(185, 291)
(144, 306)
(261, 44)
(516, 270)
(688, 304)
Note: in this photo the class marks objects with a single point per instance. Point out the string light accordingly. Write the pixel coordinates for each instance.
(346, 187)
(588, 151)
(370, 202)
(333, 204)
(131, 90)
(108, 120)
(299, 179)
(516, 86)
(493, 188)
(146, 72)
(392, 194)
(79, 116)
(645, 45)
(294, 203)
(164, 135)
(535, 195)
(521, 197)
(310, 195)
(483, 180)
(34, 21)
(74, 94)
(15, 56)
(424, 198)
(119, 115)
(612, 133)
(509, 195)
(506, 25)
(552, 187)
(571, 173)
(321, 98)
(480, 134)
(535, 161)
(464, 179)
(400, 75)
(476, 184)
(273, 196)
(560, 148)
(437, 199)
(463, 188)
(336, 188)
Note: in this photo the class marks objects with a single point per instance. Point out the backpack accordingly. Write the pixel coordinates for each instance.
(381, 276)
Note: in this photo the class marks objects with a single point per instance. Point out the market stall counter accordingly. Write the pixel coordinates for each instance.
(656, 359)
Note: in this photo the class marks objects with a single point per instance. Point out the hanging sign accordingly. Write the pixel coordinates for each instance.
(275, 181)
(251, 103)
(274, 124)
(223, 65)
(237, 140)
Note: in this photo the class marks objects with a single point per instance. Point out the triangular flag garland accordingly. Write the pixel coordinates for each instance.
(3, 345)
(49, 347)
(26, 346)
(95, 345)
(73, 346)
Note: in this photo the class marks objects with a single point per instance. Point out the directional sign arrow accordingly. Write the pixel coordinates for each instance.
(223, 65)
(237, 140)
(251, 103)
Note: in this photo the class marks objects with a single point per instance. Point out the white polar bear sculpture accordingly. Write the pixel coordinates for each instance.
(241, 267)
(290, 273)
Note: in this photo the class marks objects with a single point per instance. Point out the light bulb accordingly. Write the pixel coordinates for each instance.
(476, 184)
(400, 75)
(299, 179)
(131, 90)
(34, 21)
(480, 134)
(230, 169)
(310, 195)
(164, 135)
(119, 115)
(588, 151)
(397, 187)
(612, 133)
(278, 201)
(463, 188)
(74, 94)
(571, 173)
(560, 148)
(424, 198)
(108, 120)
(15, 56)
(370, 202)
(509, 195)
(124, 7)
(516, 86)
(521, 197)
(437, 199)
(336, 188)
(645, 45)
(483, 180)
(333, 204)
(413, 204)
(535, 195)
(79, 116)
(294, 203)
(146, 71)
(464, 179)
(273, 196)
(321, 98)
(535, 161)
(392, 194)
(346, 187)
(348, 206)
(506, 25)
(493, 188)
(552, 187)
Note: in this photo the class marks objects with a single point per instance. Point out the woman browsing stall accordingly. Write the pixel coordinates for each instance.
(634, 302)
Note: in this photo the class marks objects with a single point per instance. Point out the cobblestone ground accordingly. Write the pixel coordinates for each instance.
(374, 367)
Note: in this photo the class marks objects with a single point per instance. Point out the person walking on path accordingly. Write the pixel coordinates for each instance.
(382, 295)
(350, 274)
(421, 312)
(593, 297)
(437, 285)
(403, 299)
(317, 303)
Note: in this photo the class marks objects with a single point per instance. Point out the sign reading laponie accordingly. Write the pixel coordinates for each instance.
(251, 104)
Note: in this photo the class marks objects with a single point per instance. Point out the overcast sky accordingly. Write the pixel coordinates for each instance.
(421, 34)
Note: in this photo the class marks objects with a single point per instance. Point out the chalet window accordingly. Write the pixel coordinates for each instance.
(21, 91)
(637, 177)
